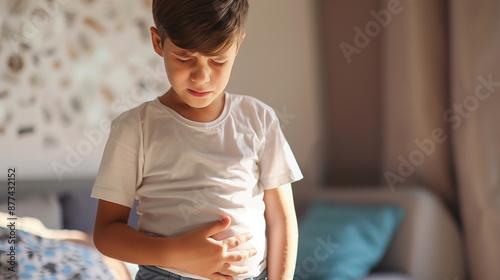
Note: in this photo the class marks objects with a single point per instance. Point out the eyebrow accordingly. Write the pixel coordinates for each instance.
(182, 53)
(186, 53)
(220, 57)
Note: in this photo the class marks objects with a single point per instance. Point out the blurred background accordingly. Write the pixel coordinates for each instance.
(381, 94)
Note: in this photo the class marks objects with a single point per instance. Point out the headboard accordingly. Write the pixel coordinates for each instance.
(58, 204)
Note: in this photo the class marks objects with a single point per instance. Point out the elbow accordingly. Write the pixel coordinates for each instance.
(99, 238)
(97, 241)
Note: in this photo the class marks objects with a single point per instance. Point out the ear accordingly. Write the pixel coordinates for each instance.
(155, 37)
(241, 41)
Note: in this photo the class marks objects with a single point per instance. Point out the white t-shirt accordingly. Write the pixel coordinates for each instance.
(188, 174)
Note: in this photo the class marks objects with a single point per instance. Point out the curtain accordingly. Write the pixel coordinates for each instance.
(441, 104)
(416, 136)
(475, 90)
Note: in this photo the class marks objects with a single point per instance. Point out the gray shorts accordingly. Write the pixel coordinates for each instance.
(151, 272)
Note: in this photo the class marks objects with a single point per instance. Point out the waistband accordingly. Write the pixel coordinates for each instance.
(152, 272)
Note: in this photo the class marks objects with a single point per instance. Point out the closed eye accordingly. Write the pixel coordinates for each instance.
(218, 63)
(184, 60)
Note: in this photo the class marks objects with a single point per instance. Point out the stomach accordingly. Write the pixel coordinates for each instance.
(168, 219)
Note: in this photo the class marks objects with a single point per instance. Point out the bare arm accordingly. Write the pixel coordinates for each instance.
(195, 252)
(282, 233)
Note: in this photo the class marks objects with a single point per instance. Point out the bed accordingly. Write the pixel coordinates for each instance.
(28, 250)
(46, 234)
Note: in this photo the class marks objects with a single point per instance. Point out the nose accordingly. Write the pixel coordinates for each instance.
(201, 74)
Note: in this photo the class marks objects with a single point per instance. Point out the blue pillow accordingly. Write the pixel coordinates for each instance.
(341, 242)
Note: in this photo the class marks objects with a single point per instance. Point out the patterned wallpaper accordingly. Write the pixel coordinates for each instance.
(67, 67)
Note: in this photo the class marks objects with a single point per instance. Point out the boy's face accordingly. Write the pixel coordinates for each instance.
(197, 80)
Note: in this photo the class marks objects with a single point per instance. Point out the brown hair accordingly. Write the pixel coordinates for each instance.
(205, 26)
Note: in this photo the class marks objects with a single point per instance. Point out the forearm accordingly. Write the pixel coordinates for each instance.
(282, 239)
(120, 241)
(282, 233)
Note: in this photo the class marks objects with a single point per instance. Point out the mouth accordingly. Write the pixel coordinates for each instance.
(199, 93)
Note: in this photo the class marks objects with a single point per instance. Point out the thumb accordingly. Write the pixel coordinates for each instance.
(217, 226)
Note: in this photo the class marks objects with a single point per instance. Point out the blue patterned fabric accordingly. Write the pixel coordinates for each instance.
(48, 259)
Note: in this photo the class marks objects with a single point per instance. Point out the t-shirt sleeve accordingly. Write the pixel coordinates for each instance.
(277, 163)
(120, 172)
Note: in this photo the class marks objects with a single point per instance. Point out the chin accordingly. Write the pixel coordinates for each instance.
(199, 104)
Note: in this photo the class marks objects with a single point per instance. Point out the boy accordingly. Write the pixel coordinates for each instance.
(211, 170)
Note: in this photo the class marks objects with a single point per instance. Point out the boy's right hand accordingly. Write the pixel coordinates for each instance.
(202, 255)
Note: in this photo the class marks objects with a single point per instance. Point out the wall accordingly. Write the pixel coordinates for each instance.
(352, 48)
(66, 69)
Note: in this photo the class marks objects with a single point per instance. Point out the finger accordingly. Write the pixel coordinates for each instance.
(233, 269)
(237, 240)
(218, 276)
(239, 256)
(216, 226)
